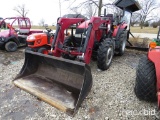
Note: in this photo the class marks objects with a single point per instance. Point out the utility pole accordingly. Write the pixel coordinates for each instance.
(60, 7)
(99, 7)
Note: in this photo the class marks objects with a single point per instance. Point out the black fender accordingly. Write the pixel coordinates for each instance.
(12, 38)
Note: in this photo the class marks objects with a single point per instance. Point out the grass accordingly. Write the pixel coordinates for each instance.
(40, 27)
(144, 30)
(133, 29)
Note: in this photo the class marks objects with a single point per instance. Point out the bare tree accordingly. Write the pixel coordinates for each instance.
(148, 6)
(135, 19)
(98, 4)
(75, 10)
(90, 10)
(21, 10)
(111, 8)
(42, 22)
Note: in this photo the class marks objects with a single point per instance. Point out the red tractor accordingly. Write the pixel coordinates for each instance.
(63, 78)
(147, 85)
(13, 38)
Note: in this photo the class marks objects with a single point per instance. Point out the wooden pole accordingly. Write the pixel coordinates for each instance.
(99, 7)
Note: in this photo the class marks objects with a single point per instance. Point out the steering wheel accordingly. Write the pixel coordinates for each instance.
(48, 29)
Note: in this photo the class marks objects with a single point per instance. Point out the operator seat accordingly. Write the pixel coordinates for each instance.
(80, 36)
(110, 16)
(22, 33)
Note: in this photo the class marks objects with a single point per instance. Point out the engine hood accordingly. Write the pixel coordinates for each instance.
(36, 36)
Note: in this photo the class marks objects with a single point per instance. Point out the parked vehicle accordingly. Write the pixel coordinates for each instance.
(15, 36)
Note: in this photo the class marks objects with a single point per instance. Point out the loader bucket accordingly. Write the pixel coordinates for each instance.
(62, 83)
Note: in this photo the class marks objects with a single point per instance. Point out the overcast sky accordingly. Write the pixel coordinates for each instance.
(38, 9)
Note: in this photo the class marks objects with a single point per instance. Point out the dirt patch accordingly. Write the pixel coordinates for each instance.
(7, 58)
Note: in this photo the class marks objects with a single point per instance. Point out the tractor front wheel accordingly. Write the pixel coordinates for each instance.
(11, 46)
(43, 50)
(105, 54)
(145, 85)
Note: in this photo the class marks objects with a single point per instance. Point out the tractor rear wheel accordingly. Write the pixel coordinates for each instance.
(145, 85)
(105, 54)
(43, 50)
(122, 43)
(11, 46)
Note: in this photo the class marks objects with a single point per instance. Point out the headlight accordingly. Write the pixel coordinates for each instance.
(31, 38)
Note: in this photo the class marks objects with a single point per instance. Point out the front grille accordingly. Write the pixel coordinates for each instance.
(30, 43)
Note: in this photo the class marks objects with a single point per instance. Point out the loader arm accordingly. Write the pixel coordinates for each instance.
(63, 23)
(95, 24)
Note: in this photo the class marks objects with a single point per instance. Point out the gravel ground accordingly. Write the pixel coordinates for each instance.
(111, 98)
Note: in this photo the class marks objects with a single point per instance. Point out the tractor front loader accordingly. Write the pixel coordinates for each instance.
(63, 77)
(62, 83)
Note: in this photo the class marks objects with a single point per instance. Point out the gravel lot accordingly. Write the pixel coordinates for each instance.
(111, 98)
